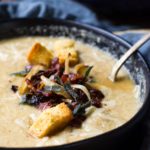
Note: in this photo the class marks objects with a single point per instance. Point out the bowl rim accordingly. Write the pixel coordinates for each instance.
(121, 129)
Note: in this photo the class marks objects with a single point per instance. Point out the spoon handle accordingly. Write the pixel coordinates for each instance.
(121, 61)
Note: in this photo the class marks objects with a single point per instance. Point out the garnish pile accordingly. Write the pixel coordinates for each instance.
(49, 80)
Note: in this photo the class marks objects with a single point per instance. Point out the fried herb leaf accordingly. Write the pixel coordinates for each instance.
(58, 80)
(80, 108)
(67, 88)
(53, 88)
(88, 72)
(20, 73)
(77, 109)
(70, 91)
(85, 105)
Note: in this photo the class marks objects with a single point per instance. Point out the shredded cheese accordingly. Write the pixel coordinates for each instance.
(48, 82)
(67, 69)
(83, 88)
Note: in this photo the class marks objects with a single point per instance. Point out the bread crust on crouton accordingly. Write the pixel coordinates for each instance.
(51, 120)
(64, 43)
(63, 47)
(39, 55)
(62, 54)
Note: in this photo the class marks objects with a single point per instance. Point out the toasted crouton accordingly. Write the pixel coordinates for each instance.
(62, 54)
(23, 88)
(51, 120)
(63, 47)
(64, 43)
(39, 55)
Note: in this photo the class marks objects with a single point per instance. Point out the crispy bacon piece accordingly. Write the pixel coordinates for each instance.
(59, 68)
(44, 105)
(72, 78)
(82, 98)
(96, 96)
(65, 78)
(75, 78)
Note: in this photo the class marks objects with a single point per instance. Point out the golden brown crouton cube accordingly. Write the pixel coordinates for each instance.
(64, 43)
(62, 54)
(63, 47)
(51, 120)
(23, 88)
(39, 55)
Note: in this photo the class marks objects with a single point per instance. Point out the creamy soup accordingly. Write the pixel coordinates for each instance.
(119, 105)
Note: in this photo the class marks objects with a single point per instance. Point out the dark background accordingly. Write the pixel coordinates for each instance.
(135, 12)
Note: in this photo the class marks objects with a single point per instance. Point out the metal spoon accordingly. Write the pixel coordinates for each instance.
(122, 60)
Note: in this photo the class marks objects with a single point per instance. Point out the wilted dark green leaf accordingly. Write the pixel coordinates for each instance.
(80, 108)
(88, 71)
(54, 88)
(21, 73)
(70, 91)
(58, 80)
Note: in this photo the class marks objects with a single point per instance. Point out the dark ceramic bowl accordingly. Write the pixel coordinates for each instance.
(122, 137)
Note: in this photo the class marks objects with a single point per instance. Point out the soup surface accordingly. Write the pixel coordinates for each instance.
(119, 105)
